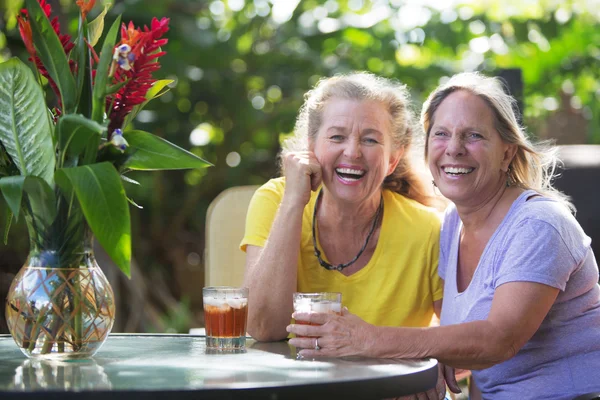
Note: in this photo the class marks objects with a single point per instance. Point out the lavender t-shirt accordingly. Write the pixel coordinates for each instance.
(538, 241)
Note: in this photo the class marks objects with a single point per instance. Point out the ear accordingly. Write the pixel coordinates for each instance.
(395, 158)
(509, 154)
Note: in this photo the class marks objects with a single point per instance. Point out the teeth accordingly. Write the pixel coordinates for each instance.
(350, 171)
(457, 171)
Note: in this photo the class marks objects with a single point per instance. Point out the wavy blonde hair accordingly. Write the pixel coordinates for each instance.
(363, 86)
(534, 165)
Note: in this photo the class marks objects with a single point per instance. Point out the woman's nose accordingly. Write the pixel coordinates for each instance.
(455, 146)
(352, 149)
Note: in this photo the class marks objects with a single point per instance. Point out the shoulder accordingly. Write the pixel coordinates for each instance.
(422, 221)
(274, 188)
(546, 211)
(543, 217)
(450, 221)
(276, 185)
(411, 209)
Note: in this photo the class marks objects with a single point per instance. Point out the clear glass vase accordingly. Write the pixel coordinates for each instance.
(60, 305)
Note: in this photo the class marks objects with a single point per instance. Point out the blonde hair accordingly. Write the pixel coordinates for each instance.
(364, 86)
(534, 164)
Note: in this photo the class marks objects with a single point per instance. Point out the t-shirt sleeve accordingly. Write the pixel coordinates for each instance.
(437, 284)
(261, 213)
(445, 239)
(535, 251)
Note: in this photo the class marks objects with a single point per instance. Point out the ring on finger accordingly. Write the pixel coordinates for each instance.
(317, 347)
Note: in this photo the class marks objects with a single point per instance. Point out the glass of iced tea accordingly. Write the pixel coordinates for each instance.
(324, 302)
(225, 316)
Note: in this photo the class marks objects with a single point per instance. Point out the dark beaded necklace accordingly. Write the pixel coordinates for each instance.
(340, 267)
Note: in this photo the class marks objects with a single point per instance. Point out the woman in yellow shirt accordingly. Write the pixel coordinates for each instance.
(349, 215)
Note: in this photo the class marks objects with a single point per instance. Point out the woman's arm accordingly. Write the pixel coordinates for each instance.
(271, 271)
(271, 276)
(517, 311)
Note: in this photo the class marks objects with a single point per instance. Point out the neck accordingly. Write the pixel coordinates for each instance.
(339, 238)
(474, 216)
(333, 214)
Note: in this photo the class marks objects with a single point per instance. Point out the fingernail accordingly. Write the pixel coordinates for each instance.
(288, 328)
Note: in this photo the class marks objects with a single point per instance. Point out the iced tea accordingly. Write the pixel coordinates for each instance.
(225, 316)
(324, 302)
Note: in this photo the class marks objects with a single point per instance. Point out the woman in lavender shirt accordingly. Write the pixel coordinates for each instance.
(521, 301)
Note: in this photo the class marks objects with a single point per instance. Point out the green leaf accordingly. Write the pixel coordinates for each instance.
(41, 198)
(99, 91)
(97, 26)
(25, 130)
(104, 204)
(9, 218)
(84, 76)
(159, 88)
(39, 194)
(106, 55)
(150, 152)
(52, 54)
(75, 132)
(12, 190)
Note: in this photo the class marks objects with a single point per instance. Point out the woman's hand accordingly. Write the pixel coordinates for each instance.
(337, 335)
(302, 174)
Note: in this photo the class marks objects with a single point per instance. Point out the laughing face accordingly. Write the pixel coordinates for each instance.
(467, 157)
(354, 147)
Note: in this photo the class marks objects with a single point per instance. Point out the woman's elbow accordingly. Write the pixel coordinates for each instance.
(501, 351)
(266, 334)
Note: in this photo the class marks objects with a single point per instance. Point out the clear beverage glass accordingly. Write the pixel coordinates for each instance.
(225, 317)
(324, 302)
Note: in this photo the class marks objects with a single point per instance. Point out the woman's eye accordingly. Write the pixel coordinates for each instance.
(440, 133)
(475, 135)
(370, 141)
(336, 138)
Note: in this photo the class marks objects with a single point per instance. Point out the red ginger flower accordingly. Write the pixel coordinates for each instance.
(27, 36)
(85, 6)
(143, 54)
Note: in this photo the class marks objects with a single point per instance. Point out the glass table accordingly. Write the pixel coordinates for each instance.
(134, 366)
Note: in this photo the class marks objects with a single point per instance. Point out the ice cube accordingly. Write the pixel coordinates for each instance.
(237, 303)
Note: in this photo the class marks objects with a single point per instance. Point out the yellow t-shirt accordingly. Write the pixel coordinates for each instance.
(399, 284)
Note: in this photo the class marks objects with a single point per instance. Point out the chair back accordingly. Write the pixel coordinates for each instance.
(224, 262)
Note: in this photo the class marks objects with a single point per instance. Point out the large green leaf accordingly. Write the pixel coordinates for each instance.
(75, 132)
(99, 90)
(104, 204)
(40, 195)
(101, 80)
(12, 190)
(25, 129)
(97, 26)
(150, 152)
(81, 55)
(52, 54)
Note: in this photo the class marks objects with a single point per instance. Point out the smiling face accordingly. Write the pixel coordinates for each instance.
(466, 156)
(354, 147)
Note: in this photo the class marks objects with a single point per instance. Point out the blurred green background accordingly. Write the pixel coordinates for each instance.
(241, 68)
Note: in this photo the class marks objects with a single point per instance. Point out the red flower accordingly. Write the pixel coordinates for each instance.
(26, 35)
(137, 58)
(85, 6)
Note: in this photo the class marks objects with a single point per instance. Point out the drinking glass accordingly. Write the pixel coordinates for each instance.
(324, 302)
(225, 317)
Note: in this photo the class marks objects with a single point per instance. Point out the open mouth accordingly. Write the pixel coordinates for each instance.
(350, 174)
(457, 171)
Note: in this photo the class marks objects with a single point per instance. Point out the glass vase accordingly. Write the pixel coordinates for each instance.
(60, 304)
